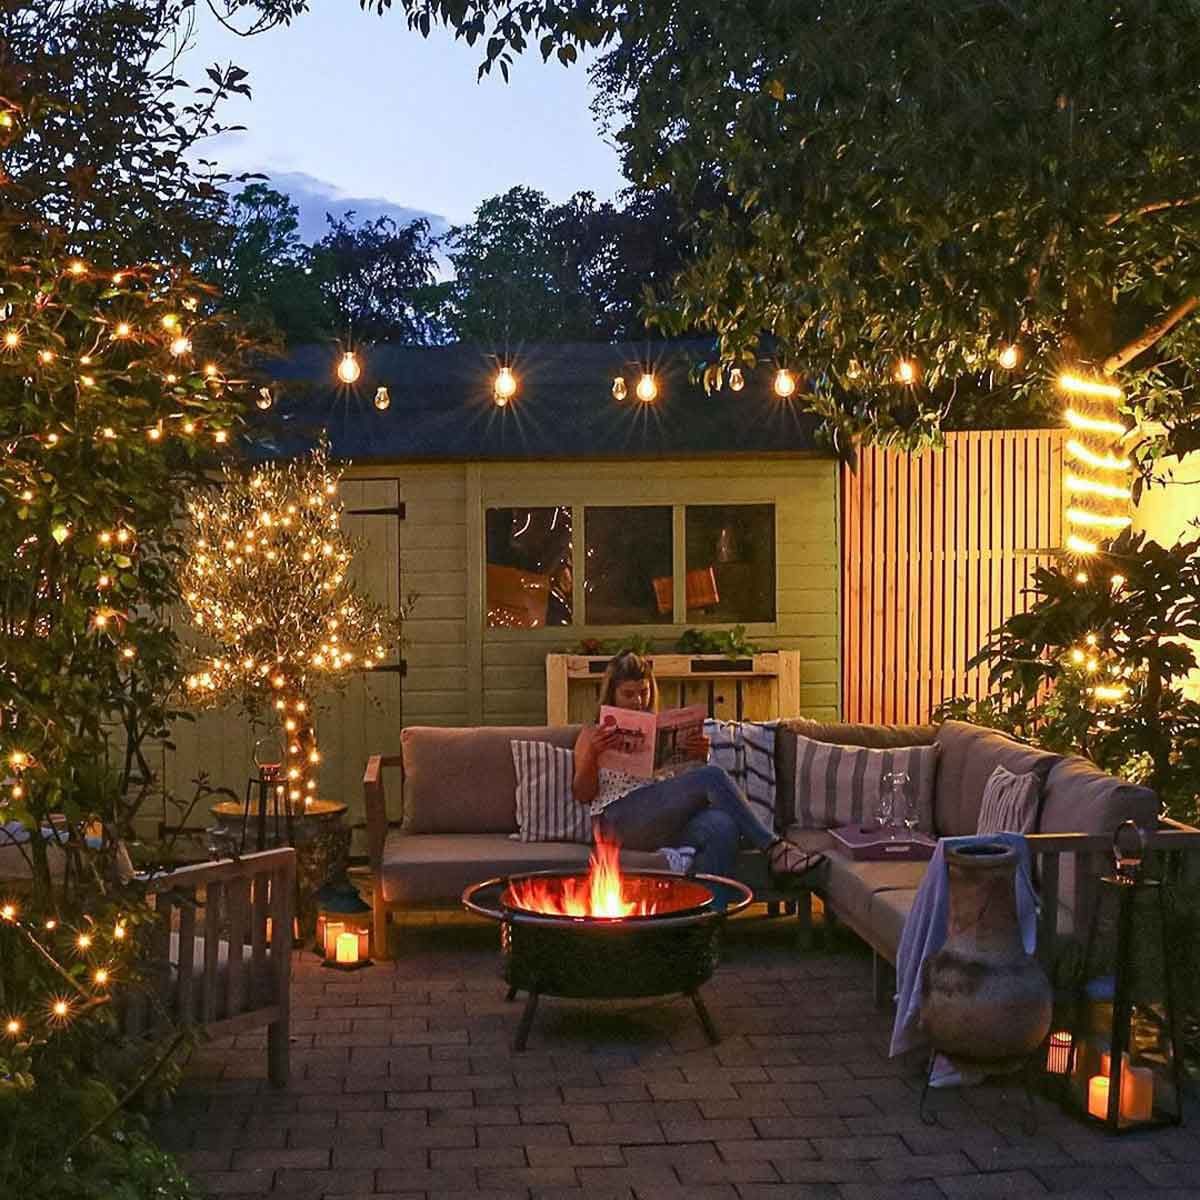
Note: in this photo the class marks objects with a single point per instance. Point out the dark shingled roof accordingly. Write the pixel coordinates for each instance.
(442, 408)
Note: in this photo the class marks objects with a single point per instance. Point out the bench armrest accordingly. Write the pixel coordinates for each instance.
(375, 803)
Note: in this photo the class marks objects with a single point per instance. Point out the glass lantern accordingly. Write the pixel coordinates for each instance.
(1126, 1072)
(343, 927)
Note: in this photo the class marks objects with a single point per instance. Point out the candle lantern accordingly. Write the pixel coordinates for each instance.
(343, 927)
(1126, 1072)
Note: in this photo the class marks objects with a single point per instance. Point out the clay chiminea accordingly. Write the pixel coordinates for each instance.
(983, 999)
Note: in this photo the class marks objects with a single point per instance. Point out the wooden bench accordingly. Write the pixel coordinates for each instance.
(205, 914)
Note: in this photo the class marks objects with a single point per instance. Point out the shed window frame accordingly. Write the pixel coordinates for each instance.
(678, 621)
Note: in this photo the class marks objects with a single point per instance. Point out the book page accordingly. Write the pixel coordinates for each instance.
(678, 729)
(634, 750)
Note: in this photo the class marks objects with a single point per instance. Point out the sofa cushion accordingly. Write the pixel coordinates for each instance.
(969, 755)
(889, 911)
(1009, 804)
(851, 887)
(463, 780)
(546, 806)
(839, 733)
(1078, 797)
(427, 868)
(841, 785)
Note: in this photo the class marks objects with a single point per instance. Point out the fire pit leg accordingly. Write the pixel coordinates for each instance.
(710, 1030)
(522, 1034)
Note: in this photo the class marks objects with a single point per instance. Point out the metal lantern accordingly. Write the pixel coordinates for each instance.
(343, 927)
(1126, 1072)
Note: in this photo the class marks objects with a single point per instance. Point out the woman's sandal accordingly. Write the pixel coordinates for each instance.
(786, 860)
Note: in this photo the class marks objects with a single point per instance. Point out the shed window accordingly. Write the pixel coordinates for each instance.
(529, 567)
(730, 563)
(627, 580)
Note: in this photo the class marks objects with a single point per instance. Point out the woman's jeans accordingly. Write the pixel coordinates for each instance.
(714, 831)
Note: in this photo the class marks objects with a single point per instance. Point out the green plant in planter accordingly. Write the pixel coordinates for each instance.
(731, 642)
(1096, 666)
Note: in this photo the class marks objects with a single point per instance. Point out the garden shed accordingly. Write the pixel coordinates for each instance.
(564, 516)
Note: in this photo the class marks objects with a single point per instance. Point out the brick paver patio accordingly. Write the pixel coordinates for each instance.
(404, 1088)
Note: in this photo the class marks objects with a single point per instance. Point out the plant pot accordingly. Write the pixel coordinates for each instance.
(983, 999)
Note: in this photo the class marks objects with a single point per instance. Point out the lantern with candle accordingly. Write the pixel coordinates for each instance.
(1126, 1071)
(343, 927)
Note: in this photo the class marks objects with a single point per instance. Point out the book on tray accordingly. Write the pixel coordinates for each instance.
(653, 744)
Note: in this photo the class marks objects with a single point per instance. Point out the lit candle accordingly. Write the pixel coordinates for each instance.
(1098, 1096)
(1058, 1056)
(347, 948)
(1137, 1088)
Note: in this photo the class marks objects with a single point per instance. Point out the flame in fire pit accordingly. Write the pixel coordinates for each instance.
(604, 892)
(599, 893)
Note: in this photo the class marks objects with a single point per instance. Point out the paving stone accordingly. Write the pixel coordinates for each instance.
(707, 1131)
(615, 1133)
(922, 1166)
(997, 1184)
(858, 1147)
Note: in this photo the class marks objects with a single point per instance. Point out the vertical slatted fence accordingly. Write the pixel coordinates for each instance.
(937, 550)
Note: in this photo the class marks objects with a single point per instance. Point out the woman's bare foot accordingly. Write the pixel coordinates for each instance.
(786, 859)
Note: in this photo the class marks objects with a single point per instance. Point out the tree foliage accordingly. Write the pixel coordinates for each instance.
(916, 181)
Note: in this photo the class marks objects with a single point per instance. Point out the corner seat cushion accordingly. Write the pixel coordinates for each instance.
(1079, 797)
(969, 754)
(853, 888)
(463, 780)
(838, 733)
(428, 868)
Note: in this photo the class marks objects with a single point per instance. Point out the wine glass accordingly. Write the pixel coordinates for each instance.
(883, 806)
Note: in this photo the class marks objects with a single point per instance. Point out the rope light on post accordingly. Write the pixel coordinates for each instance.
(1096, 485)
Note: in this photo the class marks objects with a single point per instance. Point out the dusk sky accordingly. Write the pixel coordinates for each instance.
(355, 106)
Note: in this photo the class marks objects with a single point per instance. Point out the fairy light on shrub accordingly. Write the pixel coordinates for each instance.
(265, 579)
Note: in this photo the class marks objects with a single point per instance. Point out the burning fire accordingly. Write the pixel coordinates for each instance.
(602, 892)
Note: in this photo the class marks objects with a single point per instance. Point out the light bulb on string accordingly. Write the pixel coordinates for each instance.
(1009, 357)
(737, 380)
(348, 369)
(122, 329)
(12, 339)
(619, 391)
(785, 383)
(906, 371)
(505, 386)
(647, 388)
(383, 400)
(264, 399)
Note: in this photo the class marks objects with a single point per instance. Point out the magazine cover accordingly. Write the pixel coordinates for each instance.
(651, 743)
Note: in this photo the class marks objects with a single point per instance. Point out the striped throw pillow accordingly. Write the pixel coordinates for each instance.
(839, 785)
(1010, 802)
(725, 747)
(758, 766)
(546, 808)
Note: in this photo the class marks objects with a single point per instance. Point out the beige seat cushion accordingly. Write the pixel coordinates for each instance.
(431, 868)
(463, 780)
(852, 887)
(889, 910)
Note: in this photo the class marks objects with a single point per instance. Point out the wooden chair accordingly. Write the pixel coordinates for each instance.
(222, 946)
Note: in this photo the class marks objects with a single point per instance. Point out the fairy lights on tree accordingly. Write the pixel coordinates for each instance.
(266, 580)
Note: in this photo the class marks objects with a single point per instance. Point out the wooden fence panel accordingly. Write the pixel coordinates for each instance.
(938, 549)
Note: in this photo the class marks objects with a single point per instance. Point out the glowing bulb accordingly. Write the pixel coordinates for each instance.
(77, 268)
(189, 427)
(119, 931)
(1092, 488)
(52, 439)
(785, 383)
(1079, 545)
(84, 941)
(8, 912)
(12, 338)
(51, 925)
(1088, 387)
(13, 1027)
(1107, 462)
(1081, 516)
(45, 356)
(1081, 577)
(101, 977)
(119, 278)
(154, 433)
(181, 345)
(906, 371)
(128, 652)
(210, 369)
(647, 388)
(348, 369)
(220, 437)
(103, 581)
(27, 495)
(1009, 357)
(170, 321)
(90, 381)
(1077, 656)
(505, 386)
(619, 391)
(60, 1008)
(382, 399)
(737, 380)
(122, 329)
(18, 759)
(1118, 581)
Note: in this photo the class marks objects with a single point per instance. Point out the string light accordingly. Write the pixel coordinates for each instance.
(1070, 382)
(1082, 516)
(45, 356)
(1009, 357)
(170, 321)
(737, 380)
(77, 268)
(181, 345)
(122, 329)
(382, 400)
(1079, 545)
(906, 371)
(1078, 420)
(12, 339)
(619, 391)
(348, 369)
(1102, 462)
(785, 383)
(647, 388)
(505, 386)
(1093, 487)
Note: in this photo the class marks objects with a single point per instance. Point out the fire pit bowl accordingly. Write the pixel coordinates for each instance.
(668, 945)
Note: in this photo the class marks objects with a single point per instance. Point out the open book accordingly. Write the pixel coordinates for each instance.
(652, 743)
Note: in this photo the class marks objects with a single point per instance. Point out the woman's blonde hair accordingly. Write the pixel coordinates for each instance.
(628, 667)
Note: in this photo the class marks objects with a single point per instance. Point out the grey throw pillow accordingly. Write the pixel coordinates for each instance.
(1010, 802)
(840, 785)
(546, 808)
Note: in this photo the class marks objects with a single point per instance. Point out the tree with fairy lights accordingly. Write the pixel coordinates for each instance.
(266, 580)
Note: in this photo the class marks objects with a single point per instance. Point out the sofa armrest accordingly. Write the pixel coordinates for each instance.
(375, 803)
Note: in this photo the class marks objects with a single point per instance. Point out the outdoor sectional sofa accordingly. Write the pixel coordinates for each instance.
(458, 815)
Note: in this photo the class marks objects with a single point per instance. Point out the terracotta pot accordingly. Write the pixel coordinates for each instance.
(983, 999)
